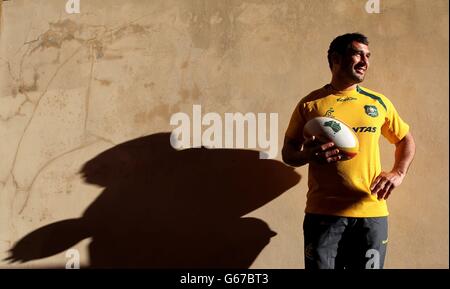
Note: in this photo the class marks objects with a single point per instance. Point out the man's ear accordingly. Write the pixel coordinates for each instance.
(335, 58)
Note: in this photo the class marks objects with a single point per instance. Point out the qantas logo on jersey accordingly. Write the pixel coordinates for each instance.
(365, 129)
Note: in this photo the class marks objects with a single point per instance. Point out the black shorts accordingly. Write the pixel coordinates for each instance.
(333, 242)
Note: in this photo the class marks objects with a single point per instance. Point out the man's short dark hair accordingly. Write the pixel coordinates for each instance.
(340, 44)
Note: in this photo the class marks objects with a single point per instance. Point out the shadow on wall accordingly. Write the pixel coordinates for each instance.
(163, 208)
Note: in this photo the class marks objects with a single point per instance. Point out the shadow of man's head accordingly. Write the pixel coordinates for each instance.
(163, 208)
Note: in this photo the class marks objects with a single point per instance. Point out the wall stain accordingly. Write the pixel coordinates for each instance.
(69, 30)
(160, 110)
(184, 65)
(58, 33)
(149, 85)
(97, 47)
(23, 88)
(188, 94)
(111, 57)
(211, 23)
(104, 82)
(196, 93)
(127, 30)
(184, 93)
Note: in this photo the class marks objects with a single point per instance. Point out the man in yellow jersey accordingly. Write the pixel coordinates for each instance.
(345, 223)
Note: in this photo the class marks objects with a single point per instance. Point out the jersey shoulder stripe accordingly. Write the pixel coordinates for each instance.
(371, 95)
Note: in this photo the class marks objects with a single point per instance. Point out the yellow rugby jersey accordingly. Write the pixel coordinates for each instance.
(343, 188)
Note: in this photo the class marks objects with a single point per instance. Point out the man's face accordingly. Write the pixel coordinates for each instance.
(355, 62)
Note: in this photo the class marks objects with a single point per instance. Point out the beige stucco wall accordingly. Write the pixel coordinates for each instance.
(73, 86)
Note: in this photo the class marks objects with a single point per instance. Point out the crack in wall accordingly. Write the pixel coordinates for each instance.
(88, 133)
(88, 93)
(16, 113)
(43, 167)
(37, 105)
(9, 68)
(55, 40)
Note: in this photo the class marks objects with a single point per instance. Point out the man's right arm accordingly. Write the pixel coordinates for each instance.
(296, 154)
(292, 153)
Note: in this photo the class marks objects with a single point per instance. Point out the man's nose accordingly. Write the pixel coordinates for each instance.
(365, 60)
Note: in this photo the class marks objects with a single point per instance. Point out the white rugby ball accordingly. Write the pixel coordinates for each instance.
(330, 129)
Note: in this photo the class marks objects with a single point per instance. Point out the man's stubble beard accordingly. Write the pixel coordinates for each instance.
(353, 75)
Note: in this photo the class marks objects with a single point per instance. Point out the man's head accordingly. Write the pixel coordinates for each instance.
(348, 57)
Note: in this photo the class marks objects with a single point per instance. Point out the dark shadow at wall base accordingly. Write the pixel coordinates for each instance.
(163, 208)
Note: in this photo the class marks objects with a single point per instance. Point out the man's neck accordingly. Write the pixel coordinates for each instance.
(341, 85)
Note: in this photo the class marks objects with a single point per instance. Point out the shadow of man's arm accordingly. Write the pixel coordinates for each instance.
(48, 241)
